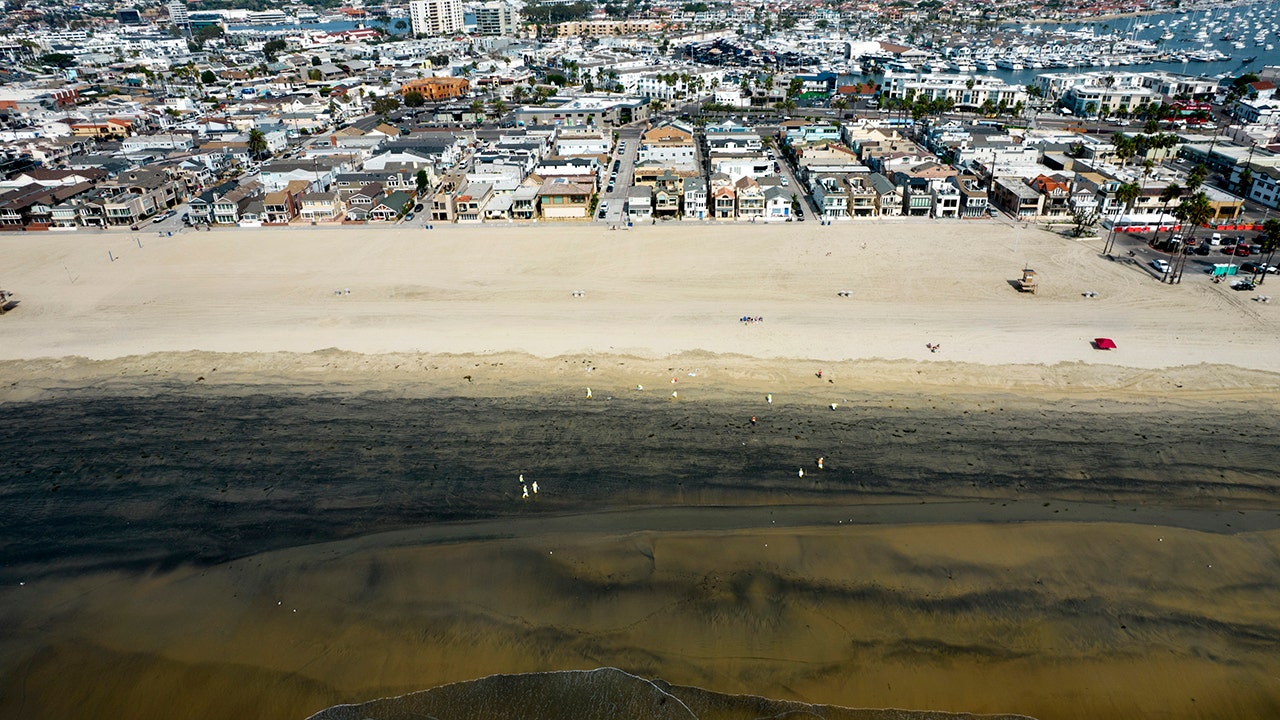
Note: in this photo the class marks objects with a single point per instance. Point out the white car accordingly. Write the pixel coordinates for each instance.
(1160, 265)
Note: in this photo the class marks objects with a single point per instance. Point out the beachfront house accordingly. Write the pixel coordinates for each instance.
(777, 203)
(917, 195)
(1012, 195)
(946, 200)
(973, 197)
(469, 203)
(639, 203)
(830, 196)
(560, 199)
(324, 206)
(524, 203)
(279, 208)
(391, 207)
(862, 196)
(750, 199)
(723, 196)
(1056, 193)
(227, 209)
(888, 195)
(695, 198)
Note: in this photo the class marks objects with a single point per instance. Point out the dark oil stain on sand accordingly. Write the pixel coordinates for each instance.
(119, 481)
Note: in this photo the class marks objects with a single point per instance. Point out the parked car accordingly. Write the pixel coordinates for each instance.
(1237, 250)
(1257, 267)
(1161, 265)
(408, 217)
(1244, 285)
(1202, 249)
(417, 208)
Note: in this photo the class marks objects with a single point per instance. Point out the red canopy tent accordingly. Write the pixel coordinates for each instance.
(1104, 343)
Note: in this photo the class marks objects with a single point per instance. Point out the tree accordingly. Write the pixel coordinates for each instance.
(1246, 181)
(414, 99)
(477, 107)
(795, 86)
(1125, 147)
(257, 143)
(1172, 192)
(423, 181)
(1082, 220)
(315, 61)
(272, 48)
(386, 105)
(313, 74)
(205, 34)
(401, 26)
(1196, 211)
(1196, 177)
(208, 78)
(1270, 242)
(58, 60)
(1126, 195)
(499, 107)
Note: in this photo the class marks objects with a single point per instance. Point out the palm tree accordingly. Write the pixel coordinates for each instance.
(1246, 181)
(1125, 147)
(1196, 211)
(257, 143)
(1171, 192)
(1126, 194)
(1196, 177)
(1270, 241)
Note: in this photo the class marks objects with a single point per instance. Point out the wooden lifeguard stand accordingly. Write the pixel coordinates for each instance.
(1028, 282)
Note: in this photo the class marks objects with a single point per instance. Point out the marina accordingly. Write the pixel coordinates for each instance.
(1215, 43)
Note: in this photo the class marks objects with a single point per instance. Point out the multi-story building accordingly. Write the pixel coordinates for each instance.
(178, 16)
(695, 198)
(437, 88)
(963, 90)
(495, 18)
(668, 144)
(605, 28)
(435, 17)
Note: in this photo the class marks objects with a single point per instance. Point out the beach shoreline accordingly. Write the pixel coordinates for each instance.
(234, 489)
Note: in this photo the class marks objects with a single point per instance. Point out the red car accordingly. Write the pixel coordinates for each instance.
(1238, 251)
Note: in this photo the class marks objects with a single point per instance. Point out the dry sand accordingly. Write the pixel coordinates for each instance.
(650, 292)
(1167, 611)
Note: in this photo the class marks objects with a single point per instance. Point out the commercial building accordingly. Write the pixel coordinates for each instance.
(495, 18)
(437, 88)
(436, 17)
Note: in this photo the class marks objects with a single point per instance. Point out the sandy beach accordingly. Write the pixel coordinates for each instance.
(231, 491)
(650, 292)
